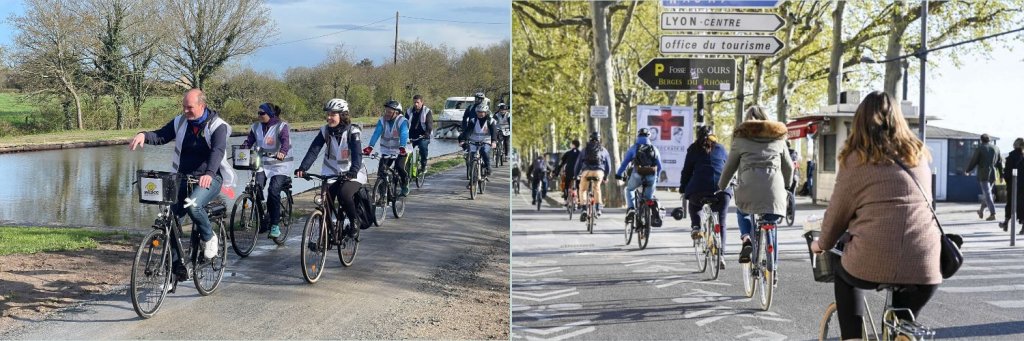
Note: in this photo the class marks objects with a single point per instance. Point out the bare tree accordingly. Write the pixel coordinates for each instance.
(208, 33)
(49, 46)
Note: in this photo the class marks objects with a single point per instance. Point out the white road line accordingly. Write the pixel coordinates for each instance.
(1008, 304)
(993, 288)
(992, 268)
(992, 276)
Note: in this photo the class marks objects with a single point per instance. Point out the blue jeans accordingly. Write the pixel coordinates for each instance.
(746, 225)
(273, 194)
(538, 182)
(197, 212)
(485, 153)
(986, 196)
(422, 144)
(637, 180)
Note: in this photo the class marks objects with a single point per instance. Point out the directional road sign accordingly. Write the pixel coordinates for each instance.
(686, 74)
(722, 3)
(708, 21)
(727, 45)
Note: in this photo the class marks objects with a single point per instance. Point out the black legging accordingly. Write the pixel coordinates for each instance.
(399, 167)
(850, 299)
(722, 208)
(346, 191)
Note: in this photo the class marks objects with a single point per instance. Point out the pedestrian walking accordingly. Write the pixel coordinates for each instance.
(988, 160)
(1014, 161)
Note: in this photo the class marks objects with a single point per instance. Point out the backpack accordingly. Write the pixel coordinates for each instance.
(592, 155)
(645, 160)
(364, 208)
(539, 167)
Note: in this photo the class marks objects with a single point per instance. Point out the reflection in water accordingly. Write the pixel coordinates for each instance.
(93, 186)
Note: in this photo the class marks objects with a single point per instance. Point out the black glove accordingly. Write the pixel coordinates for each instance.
(297, 172)
(351, 175)
(618, 177)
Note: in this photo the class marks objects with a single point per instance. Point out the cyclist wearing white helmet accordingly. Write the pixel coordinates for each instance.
(482, 128)
(341, 158)
(479, 100)
(393, 131)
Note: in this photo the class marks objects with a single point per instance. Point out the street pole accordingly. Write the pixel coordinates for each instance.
(906, 64)
(923, 57)
(740, 88)
(396, 38)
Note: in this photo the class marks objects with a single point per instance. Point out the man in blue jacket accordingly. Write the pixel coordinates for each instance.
(646, 161)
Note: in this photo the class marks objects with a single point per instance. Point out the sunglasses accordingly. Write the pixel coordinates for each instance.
(261, 113)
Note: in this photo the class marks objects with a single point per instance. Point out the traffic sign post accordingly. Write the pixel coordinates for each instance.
(721, 3)
(722, 45)
(708, 21)
(688, 74)
(599, 111)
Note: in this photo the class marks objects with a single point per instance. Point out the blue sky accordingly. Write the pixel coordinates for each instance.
(301, 19)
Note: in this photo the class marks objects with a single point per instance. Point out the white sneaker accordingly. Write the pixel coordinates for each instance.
(210, 247)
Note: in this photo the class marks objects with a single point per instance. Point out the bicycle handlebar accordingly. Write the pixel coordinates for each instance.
(307, 176)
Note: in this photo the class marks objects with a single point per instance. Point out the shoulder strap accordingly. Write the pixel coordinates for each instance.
(926, 198)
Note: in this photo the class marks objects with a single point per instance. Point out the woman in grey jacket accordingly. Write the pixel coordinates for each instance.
(760, 160)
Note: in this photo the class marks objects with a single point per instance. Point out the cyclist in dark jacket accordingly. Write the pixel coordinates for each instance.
(1014, 161)
(565, 168)
(537, 175)
(705, 161)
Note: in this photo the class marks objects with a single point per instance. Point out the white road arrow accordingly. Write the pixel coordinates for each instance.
(757, 334)
(537, 272)
(548, 331)
(672, 280)
(545, 296)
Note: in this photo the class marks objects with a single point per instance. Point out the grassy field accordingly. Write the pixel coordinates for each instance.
(14, 107)
(41, 239)
(444, 165)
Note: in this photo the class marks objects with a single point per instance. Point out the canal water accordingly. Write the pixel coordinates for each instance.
(93, 186)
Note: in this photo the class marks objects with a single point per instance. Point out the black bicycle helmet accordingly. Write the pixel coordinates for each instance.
(595, 136)
(643, 132)
(705, 131)
(393, 104)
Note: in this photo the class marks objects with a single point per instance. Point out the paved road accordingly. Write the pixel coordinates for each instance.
(409, 272)
(567, 284)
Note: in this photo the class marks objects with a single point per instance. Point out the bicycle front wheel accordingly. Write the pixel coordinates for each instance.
(790, 209)
(380, 200)
(245, 225)
(151, 274)
(286, 218)
(767, 275)
(474, 172)
(210, 272)
(314, 247)
(828, 328)
(349, 246)
(398, 205)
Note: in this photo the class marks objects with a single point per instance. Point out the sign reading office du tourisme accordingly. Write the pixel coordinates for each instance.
(671, 131)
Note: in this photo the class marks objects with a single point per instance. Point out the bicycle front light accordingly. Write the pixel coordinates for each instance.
(318, 200)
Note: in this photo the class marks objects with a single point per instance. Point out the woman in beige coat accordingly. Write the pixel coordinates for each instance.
(892, 238)
(760, 160)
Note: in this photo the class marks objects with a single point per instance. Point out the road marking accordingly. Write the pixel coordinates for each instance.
(721, 312)
(643, 261)
(545, 296)
(658, 268)
(535, 273)
(990, 261)
(682, 281)
(758, 334)
(992, 268)
(547, 331)
(1008, 304)
(992, 288)
(992, 276)
(527, 263)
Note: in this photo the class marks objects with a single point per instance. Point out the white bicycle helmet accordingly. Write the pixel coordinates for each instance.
(336, 105)
(483, 107)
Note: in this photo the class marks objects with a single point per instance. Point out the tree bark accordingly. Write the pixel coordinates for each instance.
(605, 92)
(835, 67)
(893, 48)
(758, 76)
(781, 100)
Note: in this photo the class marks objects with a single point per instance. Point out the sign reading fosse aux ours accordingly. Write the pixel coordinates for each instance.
(689, 74)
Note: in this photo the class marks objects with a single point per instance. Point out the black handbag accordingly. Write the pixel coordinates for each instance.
(951, 258)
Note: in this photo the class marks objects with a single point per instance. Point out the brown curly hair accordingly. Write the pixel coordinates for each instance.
(880, 132)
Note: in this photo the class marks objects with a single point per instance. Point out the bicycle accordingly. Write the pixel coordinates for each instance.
(642, 217)
(474, 169)
(412, 165)
(760, 273)
(321, 232)
(709, 245)
(152, 269)
(251, 208)
(571, 197)
(591, 203)
(499, 153)
(538, 193)
(385, 191)
(790, 208)
(892, 327)
(515, 184)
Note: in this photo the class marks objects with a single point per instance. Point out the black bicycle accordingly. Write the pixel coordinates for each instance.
(249, 216)
(153, 269)
(790, 208)
(642, 217)
(386, 189)
(474, 169)
(324, 230)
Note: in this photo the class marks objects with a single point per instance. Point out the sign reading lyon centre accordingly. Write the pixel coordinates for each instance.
(685, 74)
(734, 22)
(728, 45)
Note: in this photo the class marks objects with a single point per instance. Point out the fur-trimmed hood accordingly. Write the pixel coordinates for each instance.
(761, 130)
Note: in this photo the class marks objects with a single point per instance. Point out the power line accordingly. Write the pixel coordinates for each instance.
(333, 33)
(457, 21)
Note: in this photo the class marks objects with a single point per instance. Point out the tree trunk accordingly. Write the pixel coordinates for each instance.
(835, 67)
(781, 100)
(758, 76)
(893, 49)
(606, 93)
(119, 110)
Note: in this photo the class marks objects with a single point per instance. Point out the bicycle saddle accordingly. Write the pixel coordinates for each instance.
(709, 200)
